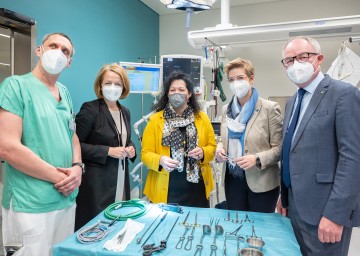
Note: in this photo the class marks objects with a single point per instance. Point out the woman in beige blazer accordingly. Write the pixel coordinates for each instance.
(251, 133)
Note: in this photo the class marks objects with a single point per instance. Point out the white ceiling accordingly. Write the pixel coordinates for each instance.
(161, 9)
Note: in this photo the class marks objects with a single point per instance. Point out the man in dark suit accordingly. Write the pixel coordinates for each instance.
(320, 190)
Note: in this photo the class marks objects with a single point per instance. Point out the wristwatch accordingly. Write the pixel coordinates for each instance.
(82, 165)
(258, 162)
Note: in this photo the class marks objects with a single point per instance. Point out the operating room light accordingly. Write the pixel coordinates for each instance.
(189, 6)
(197, 5)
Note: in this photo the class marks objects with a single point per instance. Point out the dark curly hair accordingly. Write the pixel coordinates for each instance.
(164, 99)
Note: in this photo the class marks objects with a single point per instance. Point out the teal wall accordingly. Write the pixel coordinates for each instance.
(102, 31)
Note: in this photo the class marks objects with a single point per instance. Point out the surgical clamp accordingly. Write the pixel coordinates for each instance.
(182, 238)
(190, 238)
(234, 233)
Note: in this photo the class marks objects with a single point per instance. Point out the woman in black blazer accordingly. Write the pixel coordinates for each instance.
(103, 128)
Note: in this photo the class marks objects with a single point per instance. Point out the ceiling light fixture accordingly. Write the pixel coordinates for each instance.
(189, 6)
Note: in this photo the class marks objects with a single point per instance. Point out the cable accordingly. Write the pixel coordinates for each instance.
(131, 203)
(101, 229)
(94, 233)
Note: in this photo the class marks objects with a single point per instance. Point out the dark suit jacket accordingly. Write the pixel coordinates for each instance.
(96, 130)
(325, 155)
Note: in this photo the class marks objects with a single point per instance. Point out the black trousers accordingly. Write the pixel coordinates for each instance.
(240, 197)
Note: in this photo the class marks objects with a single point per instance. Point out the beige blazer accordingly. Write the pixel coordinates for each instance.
(263, 136)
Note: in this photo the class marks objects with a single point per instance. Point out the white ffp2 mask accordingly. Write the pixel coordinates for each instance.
(112, 92)
(300, 72)
(53, 61)
(240, 88)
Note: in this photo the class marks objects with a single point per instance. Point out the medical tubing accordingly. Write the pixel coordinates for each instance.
(131, 203)
(94, 233)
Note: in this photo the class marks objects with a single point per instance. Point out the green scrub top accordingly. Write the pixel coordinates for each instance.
(47, 133)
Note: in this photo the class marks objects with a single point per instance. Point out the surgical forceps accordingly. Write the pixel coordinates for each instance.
(213, 219)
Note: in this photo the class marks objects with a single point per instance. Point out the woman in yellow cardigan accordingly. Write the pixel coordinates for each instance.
(178, 145)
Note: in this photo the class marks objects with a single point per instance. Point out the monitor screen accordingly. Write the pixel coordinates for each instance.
(189, 64)
(144, 78)
(217, 127)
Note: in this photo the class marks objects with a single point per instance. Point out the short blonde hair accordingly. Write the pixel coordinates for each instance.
(240, 63)
(116, 68)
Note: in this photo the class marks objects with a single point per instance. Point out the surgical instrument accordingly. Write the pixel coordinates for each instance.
(228, 218)
(206, 231)
(149, 248)
(184, 222)
(138, 241)
(219, 230)
(161, 220)
(213, 219)
(190, 238)
(182, 238)
(120, 237)
(237, 218)
(235, 231)
(246, 219)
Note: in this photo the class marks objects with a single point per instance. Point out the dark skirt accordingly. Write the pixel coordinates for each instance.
(186, 193)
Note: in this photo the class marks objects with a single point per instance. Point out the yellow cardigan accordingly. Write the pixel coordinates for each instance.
(157, 181)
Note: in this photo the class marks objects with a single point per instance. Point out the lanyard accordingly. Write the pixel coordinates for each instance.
(117, 131)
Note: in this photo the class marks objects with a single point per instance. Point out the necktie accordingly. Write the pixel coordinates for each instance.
(285, 165)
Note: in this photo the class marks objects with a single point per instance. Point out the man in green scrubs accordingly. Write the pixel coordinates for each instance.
(41, 151)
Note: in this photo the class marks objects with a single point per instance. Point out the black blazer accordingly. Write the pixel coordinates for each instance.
(97, 132)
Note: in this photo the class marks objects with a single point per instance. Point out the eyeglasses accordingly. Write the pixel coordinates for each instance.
(237, 78)
(302, 57)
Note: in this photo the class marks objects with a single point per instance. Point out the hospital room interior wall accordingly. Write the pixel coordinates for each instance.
(102, 32)
(270, 76)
